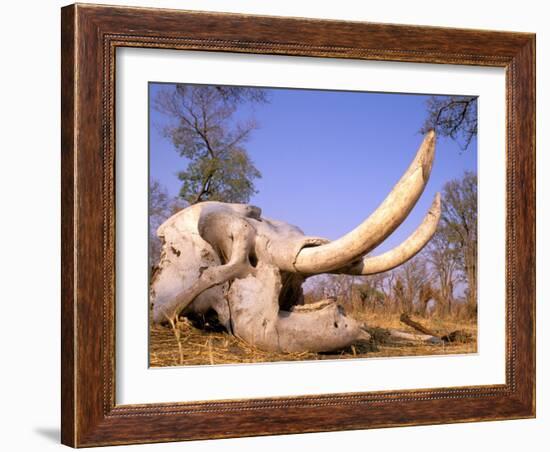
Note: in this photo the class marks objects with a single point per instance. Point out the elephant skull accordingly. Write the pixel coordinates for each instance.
(249, 269)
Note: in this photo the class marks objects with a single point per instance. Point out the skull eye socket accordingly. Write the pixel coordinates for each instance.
(253, 259)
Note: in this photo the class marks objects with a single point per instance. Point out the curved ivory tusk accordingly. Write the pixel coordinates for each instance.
(403, 252)
(381, 223)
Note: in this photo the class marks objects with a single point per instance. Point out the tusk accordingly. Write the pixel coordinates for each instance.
(405, 251)
(381, 223)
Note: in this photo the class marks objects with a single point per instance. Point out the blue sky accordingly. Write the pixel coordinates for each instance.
(328, 158)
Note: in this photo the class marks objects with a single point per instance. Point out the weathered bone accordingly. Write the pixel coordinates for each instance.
(371, 265)
(258, 320)
(249, 253)
(381, 223)
(238, 265)
(402, 335)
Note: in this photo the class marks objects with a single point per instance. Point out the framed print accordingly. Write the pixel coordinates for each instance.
(282, 225)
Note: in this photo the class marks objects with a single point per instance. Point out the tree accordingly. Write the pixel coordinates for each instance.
(370, 291)
(443, 259)
(158, 212)
(452, 116)
(412, 275)
(206, 132)
(458, 225)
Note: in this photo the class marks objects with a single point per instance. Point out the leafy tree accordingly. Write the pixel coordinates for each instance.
(206, 132)
(369, 290)
(452, 116)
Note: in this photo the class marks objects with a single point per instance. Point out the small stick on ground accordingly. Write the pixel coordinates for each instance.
(455, 336)
(417, 326)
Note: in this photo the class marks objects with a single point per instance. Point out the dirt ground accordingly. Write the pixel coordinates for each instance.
(212, 346)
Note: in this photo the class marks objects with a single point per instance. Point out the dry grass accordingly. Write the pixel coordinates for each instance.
(197, 347)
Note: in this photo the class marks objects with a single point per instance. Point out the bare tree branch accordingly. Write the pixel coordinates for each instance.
(452, 116)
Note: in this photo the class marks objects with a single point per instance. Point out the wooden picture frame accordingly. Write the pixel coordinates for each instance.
(90, 36)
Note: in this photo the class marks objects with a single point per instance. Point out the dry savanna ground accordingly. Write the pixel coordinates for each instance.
(189, 345)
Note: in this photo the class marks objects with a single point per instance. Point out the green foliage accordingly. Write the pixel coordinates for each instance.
(206, 133)
(368, 293)
(227, 177)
